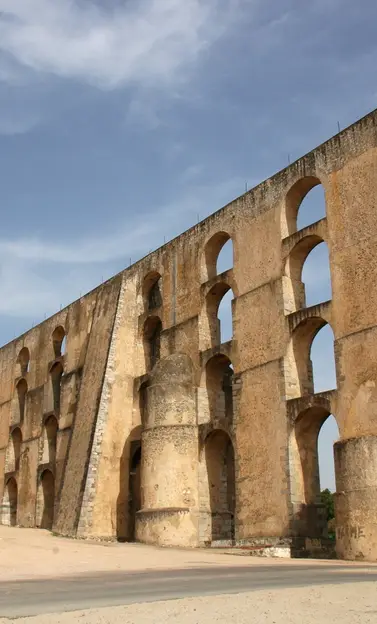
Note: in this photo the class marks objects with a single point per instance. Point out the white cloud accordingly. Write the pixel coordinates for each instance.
(10, 125)
(38, 275)
(147, 42)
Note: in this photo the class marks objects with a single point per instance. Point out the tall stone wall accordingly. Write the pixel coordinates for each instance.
(233, 457)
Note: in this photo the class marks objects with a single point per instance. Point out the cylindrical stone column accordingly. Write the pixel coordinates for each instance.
(169, 469)
(356, 498)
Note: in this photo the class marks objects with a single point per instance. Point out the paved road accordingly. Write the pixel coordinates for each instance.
(33, 597)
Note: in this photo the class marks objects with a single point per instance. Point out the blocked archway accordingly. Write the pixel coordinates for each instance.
(46, 500)
(134, 486)
(152, 291)
(56, 374)
(49, 440)
(152, 341)
(9, 503)
(23, 362)
(21, 390)
(216, 391)
(13, 452)
(217, 488)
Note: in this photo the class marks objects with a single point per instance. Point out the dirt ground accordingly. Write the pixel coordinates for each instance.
(338, 604)
(31, 553)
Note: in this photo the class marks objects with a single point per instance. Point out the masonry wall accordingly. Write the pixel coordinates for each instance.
(115, 336)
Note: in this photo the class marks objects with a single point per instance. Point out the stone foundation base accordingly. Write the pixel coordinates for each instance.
(167, 527)
(284, 547)
(356, 498)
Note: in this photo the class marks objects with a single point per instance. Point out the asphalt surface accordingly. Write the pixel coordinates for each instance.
(33, 597)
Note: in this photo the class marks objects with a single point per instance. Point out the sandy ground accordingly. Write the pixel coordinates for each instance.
(345, 604)
(27, 553)
(32, 553)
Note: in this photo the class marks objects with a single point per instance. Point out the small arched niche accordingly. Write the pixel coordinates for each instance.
(58, 341)
(23, 362)
(10, 503)
(152, 341)
(304, 204)
(217, 488)
(152, 291)
(217, 257)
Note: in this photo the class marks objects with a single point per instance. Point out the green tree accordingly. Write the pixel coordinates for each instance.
(327, 499)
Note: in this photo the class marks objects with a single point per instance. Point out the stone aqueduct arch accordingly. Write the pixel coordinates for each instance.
(144, 426)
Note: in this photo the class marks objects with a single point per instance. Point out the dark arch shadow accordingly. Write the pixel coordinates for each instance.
(218, 455)
(46, 497)
(128, 496)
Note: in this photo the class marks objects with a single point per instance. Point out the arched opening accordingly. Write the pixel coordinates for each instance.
(129, 497)
(316, 276)
(9, 506)
(152, 290)
(56, 374)
(214, 262)
(310, 513)
(328, 435)
(21, 396)
(300, 370)
(225, 257)
(323, 360)
(308, 270)
(134, 486)
(58, 336)
(50, 431)
(312, 208)
(46, 500)
(217, 488)
(304, 204)
(63, 346)
(217, 320)
(216, 391)
(23, 362)
(16, 446)
(152, 341)
(225, 317)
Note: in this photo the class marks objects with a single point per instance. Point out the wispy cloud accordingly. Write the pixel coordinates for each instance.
(10, 125)
(147, 42)
(38, 275)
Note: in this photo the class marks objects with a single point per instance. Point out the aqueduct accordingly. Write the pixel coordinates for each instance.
(126, 416)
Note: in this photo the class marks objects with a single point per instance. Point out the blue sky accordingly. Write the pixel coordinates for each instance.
(121, 121)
